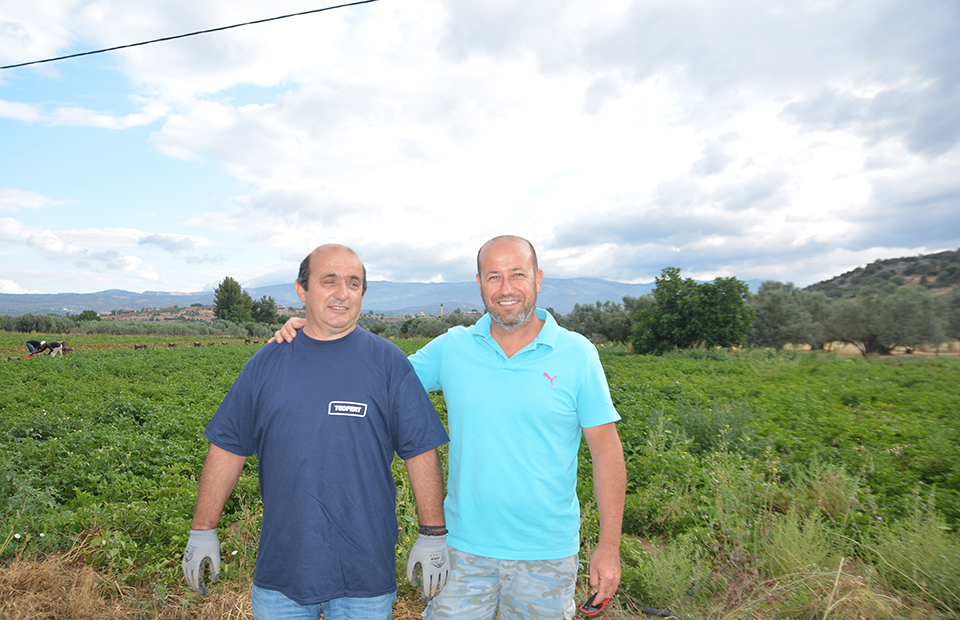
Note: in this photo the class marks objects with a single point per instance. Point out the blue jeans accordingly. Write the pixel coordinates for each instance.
(273, 605)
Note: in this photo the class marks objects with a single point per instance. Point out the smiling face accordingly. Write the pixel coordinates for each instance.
(333, 292)
(509, 282)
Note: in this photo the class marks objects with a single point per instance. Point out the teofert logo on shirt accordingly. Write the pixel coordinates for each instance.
(342, 407)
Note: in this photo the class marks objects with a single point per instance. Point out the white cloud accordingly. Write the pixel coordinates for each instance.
(620, 137)
(71, 116)
(10, 287)
(12, 199)
(35, 30)
(50, 243)
(19, 111)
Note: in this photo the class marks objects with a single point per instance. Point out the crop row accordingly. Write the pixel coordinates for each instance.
(736, 461)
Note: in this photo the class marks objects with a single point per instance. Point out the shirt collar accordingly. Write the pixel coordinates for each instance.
(548, 335)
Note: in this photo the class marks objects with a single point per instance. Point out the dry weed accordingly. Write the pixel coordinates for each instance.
(826, 595)
(63, 587)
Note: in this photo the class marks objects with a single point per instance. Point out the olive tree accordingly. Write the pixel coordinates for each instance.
(953, 314)
(781, 317)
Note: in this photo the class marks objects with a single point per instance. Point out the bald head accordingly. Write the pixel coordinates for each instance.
(501, 240)
(303, 277)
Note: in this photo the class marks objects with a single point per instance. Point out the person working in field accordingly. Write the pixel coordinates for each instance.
(55, 348)
(34, 345)
(325, 417)
(519, 391)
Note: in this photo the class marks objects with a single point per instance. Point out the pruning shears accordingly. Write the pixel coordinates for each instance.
(591, 608)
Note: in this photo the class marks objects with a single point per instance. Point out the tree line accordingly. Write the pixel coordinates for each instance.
(681, 313)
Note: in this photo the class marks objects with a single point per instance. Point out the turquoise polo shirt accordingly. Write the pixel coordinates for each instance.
(515, 426)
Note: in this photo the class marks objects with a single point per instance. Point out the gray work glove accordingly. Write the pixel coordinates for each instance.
(430, 552)
(203, 548)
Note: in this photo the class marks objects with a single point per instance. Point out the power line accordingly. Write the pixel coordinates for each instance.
(189, 34)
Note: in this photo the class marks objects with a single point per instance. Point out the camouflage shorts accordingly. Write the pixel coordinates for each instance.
(479, 586)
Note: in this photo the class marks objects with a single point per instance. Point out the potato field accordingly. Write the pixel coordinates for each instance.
(793, 484)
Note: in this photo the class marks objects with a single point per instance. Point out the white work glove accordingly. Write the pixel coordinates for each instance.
(430, 552)
(203, 548)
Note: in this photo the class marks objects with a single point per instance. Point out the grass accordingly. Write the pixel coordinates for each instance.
(761, 485)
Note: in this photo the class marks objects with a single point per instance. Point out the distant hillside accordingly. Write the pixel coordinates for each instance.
(104, 301)
(934, 271)
(396, 298)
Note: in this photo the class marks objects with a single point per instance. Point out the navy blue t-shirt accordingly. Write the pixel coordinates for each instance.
(325, 419)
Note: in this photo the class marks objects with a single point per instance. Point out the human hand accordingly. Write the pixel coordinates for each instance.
(430, 552)
(203, 548)
(289, 330)
(605, 572)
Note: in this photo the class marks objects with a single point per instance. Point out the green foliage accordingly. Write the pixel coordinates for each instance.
(111, 440)
(87, 315)
(218, 328)
(938, 270)
(680, 571)
(425, 326)
(601, 322)
(952, 328)
(781, 317)
(883, 319)
(920, 555)
(686, 314)
(265, 311)
(233, 303)
(742, 467)
(796, 544)
(37, 323)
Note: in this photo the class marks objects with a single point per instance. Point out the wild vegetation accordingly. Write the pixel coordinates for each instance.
(65, 327)
(940, 270)
(763, 484)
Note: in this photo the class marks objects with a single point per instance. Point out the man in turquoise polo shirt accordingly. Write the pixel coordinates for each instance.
(519, 390)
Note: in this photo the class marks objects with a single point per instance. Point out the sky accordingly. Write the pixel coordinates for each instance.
(761, 139)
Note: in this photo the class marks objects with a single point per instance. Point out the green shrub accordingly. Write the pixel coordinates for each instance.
(921, 555)
(672, 577)
(794, 544)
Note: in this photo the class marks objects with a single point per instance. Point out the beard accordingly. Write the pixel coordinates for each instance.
(518, 321)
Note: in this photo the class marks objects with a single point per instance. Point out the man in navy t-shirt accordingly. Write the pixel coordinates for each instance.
(325, 417)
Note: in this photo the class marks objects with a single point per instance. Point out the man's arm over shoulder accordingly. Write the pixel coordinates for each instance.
(610, 483)
(428, 362)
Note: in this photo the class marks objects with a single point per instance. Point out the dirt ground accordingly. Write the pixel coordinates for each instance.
(948, 349)
(65, 587)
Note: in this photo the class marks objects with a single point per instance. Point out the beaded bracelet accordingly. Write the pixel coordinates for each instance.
(433, 530)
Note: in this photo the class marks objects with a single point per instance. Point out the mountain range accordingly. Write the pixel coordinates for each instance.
(941, 269)
(382, 297)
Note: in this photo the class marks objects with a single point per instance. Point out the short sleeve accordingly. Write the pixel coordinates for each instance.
(427, 363)
(594, 405)
(232, 426)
